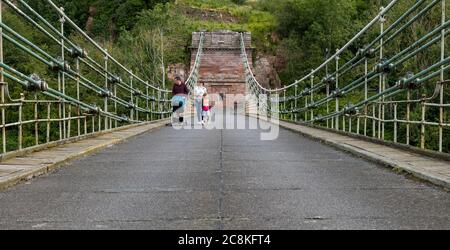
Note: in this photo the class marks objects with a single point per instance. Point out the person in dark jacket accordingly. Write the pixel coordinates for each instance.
(179, 92)
(179, 88)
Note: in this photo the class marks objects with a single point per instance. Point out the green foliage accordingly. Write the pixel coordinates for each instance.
(311, 27)
(14, 56)
(240, 2)
(208, 4)
(175, 27)
(109, 16)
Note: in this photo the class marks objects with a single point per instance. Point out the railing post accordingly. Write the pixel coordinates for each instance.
(153, 105)
(350, 124)
(292, 111)
(163, 104)
(374, 122)
(382, 80)
(115, 104)
(168, 105)
(60, 109)
(284, 104)
(131, 96)
(337, 87)
(146, 102)
(2, 82)
(327, 89)
(100, 121)
(137, 106)
(422, 126)
(110, 122)
(383, 109)
(358, 124)
(159, 105)
(312, 94)
(344, 127)
(36, 120)
(296, 102)
(163, 68)
(78, 96)
(328, 105)
(408, 116)
(306, 110)
(106, 89)
(69, 121)
(85, 125)
(93, 123)
(20, 136)
(441, 94)
(63, 74)
(366, 95)
(395, 123)
(49, 116)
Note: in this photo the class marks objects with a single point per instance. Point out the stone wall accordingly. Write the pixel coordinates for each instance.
(266, 73)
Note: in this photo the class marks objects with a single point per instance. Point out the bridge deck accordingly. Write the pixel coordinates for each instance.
(28, 165)
(434, 170)
(223, 179)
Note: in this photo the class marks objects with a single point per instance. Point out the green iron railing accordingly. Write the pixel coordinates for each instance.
(257, 101)
(192, 79)
(83, 90)
(378, 92)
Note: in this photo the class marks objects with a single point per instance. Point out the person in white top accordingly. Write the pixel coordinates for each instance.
(199, 91)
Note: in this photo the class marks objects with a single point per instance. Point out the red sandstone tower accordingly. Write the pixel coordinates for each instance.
(221, 67)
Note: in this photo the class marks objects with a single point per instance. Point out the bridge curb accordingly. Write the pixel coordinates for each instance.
(54, 144)
(39, 171)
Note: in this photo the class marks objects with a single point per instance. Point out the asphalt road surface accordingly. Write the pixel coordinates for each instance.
(223, 179)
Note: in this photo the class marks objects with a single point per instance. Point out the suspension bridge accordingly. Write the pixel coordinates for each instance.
(361, 142)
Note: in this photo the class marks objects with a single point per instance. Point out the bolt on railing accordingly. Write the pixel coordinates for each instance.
(380, 102)
(78, 88)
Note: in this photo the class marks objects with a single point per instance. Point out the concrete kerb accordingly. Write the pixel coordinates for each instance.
(71, 140)
(28, 175)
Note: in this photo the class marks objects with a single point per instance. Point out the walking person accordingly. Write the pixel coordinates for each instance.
(206, 109)
(179, 92)
(199, 91)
